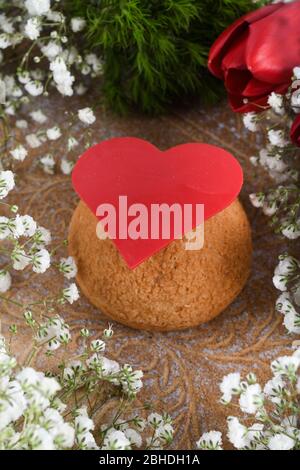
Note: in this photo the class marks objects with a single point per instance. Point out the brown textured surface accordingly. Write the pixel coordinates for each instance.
(175, 288)
(182, 369)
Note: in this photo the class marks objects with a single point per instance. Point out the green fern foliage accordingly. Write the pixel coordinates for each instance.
(155, 51)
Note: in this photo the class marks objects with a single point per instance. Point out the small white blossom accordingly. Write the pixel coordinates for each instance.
(257, 199)
(68, 267)
(34, 87)
(24, 76)
(78, 24)
(134, 437)
(20, 259)
(72, 143)
(97, 345)
(5, 41)
(21, 124)
(53, 133)
(41, 261)
(276, 102)
(66, 166)
(87, 116)
(285, 364)
(291, 231)
(296, 72)
(48, 164)
(230, 385)
(42, 236)
(280, 282)
(251, 399)
(286, 266)
(80, 89)
(292, 322)
(276, 138)
(37, 7)
(116, 440)
(273, 389)
(33, 141)
(29, 225)
(5, 281)
(38, 116)
(210, 440)
(71, 293)
(7, 183)
(250, 121)
(281, 442)
(33, 28)
(283, 303)
(237, 433)
(51, 50)
(19, 153)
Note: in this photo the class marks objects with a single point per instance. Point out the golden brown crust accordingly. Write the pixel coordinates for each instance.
(175, 288)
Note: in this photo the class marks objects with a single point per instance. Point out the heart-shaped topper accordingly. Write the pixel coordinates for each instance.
(137, 172)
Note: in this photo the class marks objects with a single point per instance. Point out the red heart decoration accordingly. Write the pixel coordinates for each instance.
(186, 174)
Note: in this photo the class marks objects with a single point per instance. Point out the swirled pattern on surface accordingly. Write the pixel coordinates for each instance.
(182, 369)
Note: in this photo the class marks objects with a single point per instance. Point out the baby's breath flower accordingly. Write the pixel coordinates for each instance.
(68, 267)
(276, 102)
(40, 261)
(210, 441)
(97, 345)
(48, 164)
(53, 133)
(281, 442)
(5, 281)
(42, 237)
(250, 121)
(77, 24)
(21, 124)
(34, 87)
(116, 440)
(72, 143)
(66, 166)
(108, 332)
(257, 199)
(71, 293)
(51, 50)
(229, 386)
(7, 183)
(37, 7)
(38, 116)
(276, 138)
(33, 141)
(29, 225)
(20, 259)
(87, 116)
(19, 153)
(33, 28)
(251, 399)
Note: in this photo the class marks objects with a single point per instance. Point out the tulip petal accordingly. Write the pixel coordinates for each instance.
(273, 47)
(237, 80)
(231, 34)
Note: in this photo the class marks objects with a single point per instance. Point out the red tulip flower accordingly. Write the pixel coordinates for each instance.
(256, 55)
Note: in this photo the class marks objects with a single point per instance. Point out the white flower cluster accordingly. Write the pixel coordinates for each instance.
(30, 253)
(33, 417)
(52, 60)
(30, 393)
(279, 158)
(287, 279)
(127, 434)
(98, 365)
(275, 408)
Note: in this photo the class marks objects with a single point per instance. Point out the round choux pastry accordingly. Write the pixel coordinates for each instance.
(175, 288)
